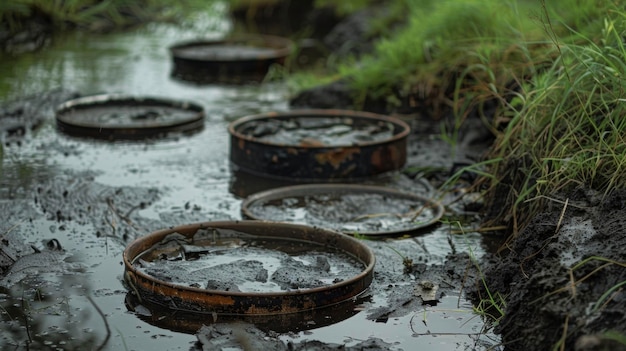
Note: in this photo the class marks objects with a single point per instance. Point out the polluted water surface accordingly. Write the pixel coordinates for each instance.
(224, 52)
(350, 213)
(95, 197)
(321, 131)
(247, 265)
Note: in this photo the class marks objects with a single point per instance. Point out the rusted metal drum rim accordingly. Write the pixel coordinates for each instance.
(190, 299)
(206, 61)
(318, 163)
(280, 48)
(350, 189)
(190, 323)
(80, 117)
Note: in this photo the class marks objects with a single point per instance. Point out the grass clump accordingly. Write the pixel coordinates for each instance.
(96, 15)
(490, 43)
(569, 130)
(441, 40)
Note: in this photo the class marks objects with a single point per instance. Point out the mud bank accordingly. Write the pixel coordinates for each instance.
(563, 277)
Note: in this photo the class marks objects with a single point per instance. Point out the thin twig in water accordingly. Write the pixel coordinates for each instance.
(478, 230)
(10, 229)
(106, 323)
(558, 225)
(122, 216)
(26, 316)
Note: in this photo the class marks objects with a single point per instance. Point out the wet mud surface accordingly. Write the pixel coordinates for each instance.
(249, 265)
(352, 213)
(564, 276)
(70, 206)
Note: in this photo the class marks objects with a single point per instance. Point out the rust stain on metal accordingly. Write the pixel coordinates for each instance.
(337, 156)
(384, 157)
(311, 142)
(193, 299)
(242, 144)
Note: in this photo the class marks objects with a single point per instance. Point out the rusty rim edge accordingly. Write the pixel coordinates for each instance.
(284, 47)
(309, 189)
(129, 255)
(233, 126)
(103, 99)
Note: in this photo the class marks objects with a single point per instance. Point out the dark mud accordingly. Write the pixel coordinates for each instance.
(318, 131)
(22, 116)
(248, 337)
(564, 276)
(359, 213)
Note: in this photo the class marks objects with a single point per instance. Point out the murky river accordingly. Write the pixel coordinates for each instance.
(82, 300)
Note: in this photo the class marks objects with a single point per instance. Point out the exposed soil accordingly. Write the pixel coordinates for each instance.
(564, 275)
(77, 219)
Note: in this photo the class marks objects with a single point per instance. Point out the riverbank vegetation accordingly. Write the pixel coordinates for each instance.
(96, 15)
(546, 78)
(567, 128)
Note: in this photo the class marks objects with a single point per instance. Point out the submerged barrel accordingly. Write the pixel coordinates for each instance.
(318, 145)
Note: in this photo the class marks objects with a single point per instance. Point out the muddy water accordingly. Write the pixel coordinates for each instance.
(224, 52)
(93, 197)
(248, 265)
(317, 131)
(348, 213)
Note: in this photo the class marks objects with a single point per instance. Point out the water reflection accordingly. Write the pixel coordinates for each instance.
(130, 62)
(38, 314)
(18, 176)
(190, 323)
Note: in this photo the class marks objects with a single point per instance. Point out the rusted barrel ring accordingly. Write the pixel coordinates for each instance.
(273, 195)
(309, 163)
(78, 117)
(194, 60)
(190, 299)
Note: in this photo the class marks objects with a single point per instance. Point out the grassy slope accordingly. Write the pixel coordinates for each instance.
(94, 14)
(555, 71)
(568, 129)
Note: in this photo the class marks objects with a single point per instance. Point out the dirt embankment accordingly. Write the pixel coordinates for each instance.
(563, 277)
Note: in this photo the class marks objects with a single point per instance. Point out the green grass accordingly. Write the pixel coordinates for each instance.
(440, 40)
(569, 129)
(554, 71)
(97, 15)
